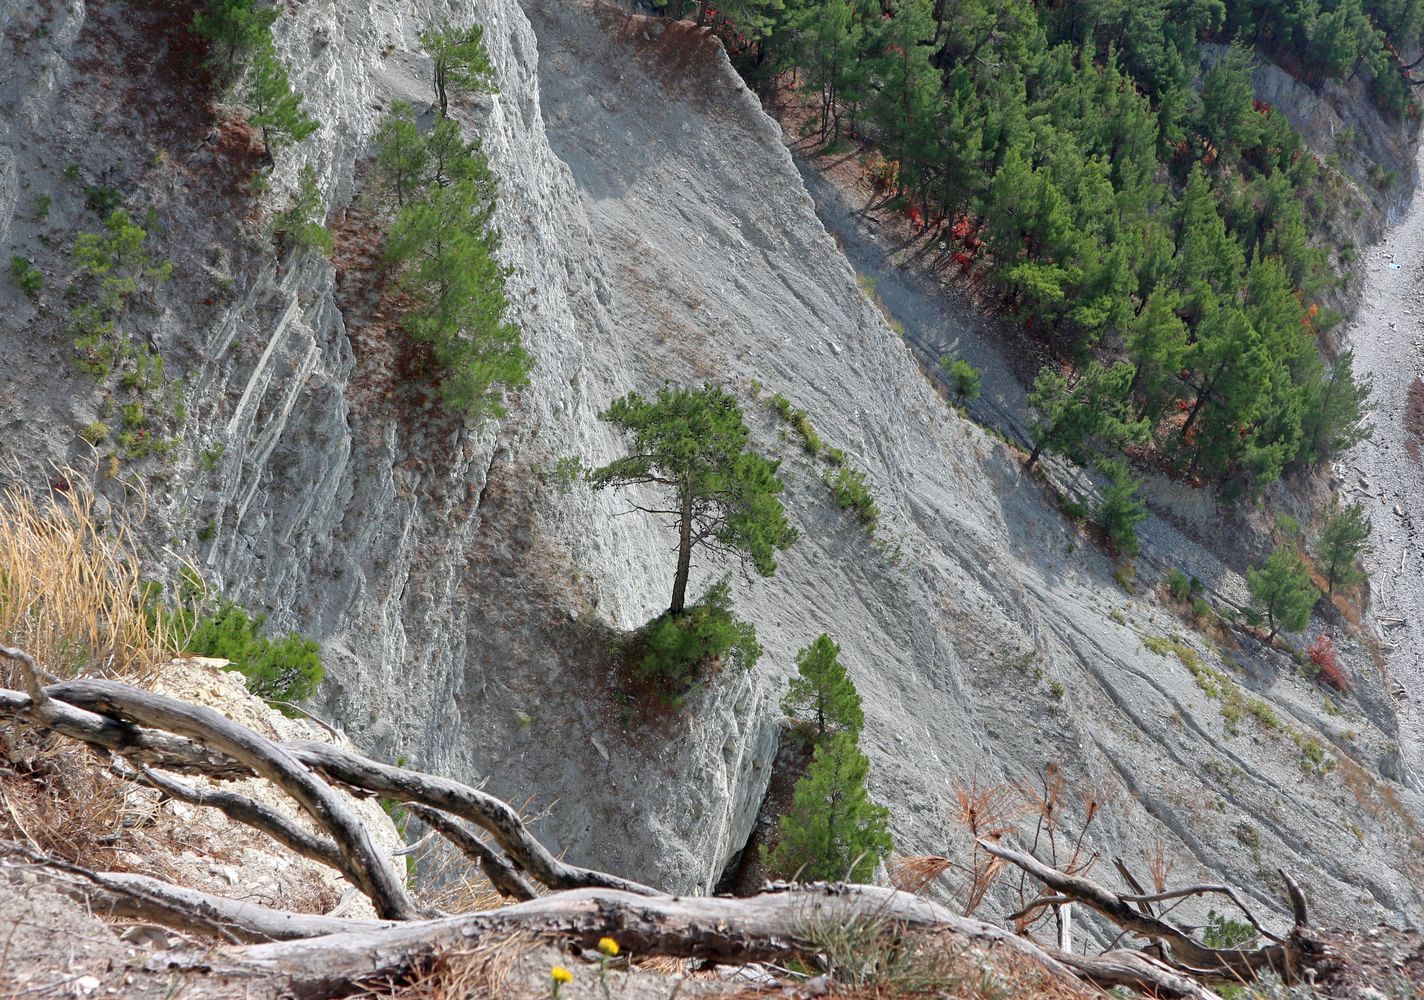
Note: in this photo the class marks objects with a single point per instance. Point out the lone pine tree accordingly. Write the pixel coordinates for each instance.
(274, 109)
(823, 691)
(834, 831)
(1340, 543)
(1282, 590)
(692, 445)
(458, 59)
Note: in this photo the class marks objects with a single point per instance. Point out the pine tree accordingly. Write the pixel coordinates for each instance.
(444, 245)
(823, 690)
(274, 109)
(401, 156)
(1121, 508)
(1334, 411)
(1069, 414)
(1157, 344)
(1340, 542)
(1282, 590)
(834, 831)
(692, 445)
(963, 377)
(458, 59)
(237, 25)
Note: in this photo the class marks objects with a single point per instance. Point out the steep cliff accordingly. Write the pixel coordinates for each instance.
(657, 230)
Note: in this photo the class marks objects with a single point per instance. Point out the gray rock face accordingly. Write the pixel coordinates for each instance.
(657, 230)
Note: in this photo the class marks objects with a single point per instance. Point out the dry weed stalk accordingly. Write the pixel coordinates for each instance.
(1065, 852)
(71, 593)
(1158, 865)
(914, 872)
(988, 812)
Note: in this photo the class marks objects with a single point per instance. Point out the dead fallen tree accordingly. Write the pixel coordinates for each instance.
(148, 738)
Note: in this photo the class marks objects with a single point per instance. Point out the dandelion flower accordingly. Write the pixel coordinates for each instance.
(608, 946)
(561, 975)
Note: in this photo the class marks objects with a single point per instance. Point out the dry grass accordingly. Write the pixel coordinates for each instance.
(913, 873)
(70, 591)
(484, 970)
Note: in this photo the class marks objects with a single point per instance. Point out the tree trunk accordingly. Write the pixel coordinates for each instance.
(684, 553)
(1033, 455)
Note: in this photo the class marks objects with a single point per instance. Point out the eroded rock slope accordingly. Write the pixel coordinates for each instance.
(657, 230)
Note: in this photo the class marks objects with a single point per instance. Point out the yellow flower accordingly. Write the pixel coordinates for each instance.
(561, 974)
(608, 946)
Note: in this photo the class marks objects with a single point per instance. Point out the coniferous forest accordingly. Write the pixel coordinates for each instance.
(1104, 169)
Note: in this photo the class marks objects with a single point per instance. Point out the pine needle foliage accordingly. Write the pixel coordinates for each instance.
(822, 691)
(273, 108)
(834, 831)
(692, 446)
(1341, 539)
(458, 59)
(444, 246)
(1282, 590)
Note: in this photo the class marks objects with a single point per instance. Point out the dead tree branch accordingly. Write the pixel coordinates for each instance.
(480, 808)
(498, 870)
(368, 868)
(244, 810)
(1214, 964)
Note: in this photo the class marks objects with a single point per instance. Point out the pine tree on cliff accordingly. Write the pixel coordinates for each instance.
(273, 108)
(458, 59)
(835, 830)
(1282, 590)
(822, 691)
(1340, 542)
(692, 445)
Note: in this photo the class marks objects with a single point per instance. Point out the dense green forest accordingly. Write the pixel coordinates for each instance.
(1120, 189)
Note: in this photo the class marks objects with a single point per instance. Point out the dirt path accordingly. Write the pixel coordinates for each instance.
(1388, 337)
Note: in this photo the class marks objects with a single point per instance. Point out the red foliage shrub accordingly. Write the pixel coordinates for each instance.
(1322, 653)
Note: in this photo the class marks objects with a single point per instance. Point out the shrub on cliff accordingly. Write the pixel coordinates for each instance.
(674, 651)
(283, 670)
(834, 831)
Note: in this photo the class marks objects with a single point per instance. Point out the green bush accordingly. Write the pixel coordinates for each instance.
(1222, 932)
(27, 276)
(849, 488)
(801, 420)
(287, 669)
(674, 651)
(963, 377)
(1181, 587)
(301, 224)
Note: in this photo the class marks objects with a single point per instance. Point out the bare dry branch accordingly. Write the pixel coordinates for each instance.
(371, 871)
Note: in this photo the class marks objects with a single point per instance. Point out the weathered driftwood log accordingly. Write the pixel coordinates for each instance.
(79, 710)
(317, 955)
(499, 871)
(481, 808)
(1231, 965)
(243, 810)
(367, 867)
(324, 955)
(769, 927)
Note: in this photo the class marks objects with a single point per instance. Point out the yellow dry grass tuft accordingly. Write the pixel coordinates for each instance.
(71, 592)
(914, 872)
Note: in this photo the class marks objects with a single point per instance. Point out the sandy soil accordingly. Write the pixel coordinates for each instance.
(1388, 338)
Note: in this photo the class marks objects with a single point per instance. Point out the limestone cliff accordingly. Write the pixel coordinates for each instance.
(658, 230)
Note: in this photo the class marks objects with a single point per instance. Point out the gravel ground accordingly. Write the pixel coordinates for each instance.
(1388, 338)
